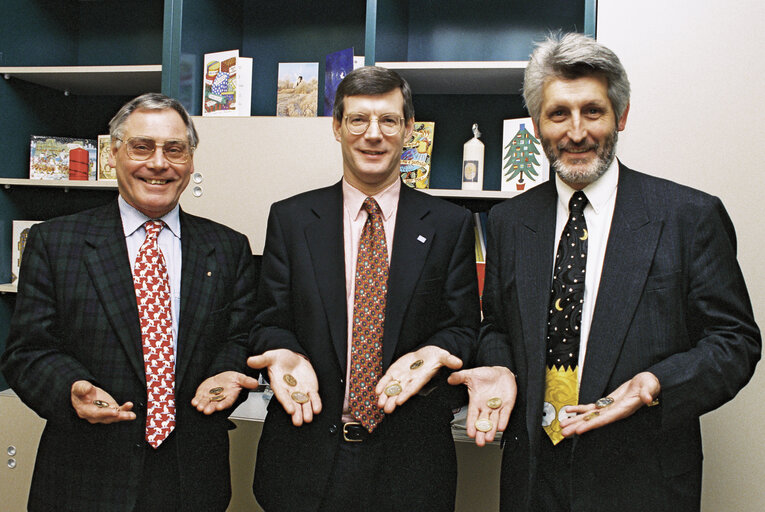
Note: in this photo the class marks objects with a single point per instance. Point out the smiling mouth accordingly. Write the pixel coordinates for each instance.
(151, 181)
(373, 153)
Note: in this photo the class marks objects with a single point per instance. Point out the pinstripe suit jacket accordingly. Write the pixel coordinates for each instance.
(671, 301)
(76, 318)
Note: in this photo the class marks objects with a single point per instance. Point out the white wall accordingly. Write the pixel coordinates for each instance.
(698, 117)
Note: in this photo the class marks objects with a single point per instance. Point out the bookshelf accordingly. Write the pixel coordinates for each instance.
(68, 65)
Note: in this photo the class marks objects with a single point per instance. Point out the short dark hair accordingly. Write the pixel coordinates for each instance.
(372, 81)
(151, 101)
(572, 56)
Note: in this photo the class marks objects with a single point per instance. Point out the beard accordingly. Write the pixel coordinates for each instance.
(582, 174)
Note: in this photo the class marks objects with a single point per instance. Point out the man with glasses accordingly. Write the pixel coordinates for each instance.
(367, 297)
(129, 334)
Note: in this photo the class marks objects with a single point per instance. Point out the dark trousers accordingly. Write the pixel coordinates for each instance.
(552, 490)
(160, 483)
(355, 475)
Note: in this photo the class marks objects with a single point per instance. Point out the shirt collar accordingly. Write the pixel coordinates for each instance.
(132, 219)
(387, 199)
(598, 192)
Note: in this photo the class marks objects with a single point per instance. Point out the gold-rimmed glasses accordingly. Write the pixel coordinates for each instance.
(389, 124)
(143, 148)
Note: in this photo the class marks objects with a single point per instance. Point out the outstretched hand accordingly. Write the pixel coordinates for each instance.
(407, 376)
(492, 391)
(293, 381)
(641, 390)
(95, 405)
(220, 391)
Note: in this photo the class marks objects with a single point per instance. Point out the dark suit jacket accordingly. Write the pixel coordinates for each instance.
(76, 318)
(432, 300)
(671, 301)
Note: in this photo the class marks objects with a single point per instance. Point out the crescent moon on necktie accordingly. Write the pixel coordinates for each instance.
(557, 305)
(584, 236)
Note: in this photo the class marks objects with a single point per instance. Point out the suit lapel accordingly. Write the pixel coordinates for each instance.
(631, 246)
(108, 265)
(412, 240)
(198, 272)
(534, 248)
(324, 237)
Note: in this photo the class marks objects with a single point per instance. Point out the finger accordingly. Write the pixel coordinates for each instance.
(81, 388)
(504, 418)
(247, 382)
(453, 362)
(307, 411)
(257, 362)
(457, 378)
(283, 395)
(480, 438)
(315, 402)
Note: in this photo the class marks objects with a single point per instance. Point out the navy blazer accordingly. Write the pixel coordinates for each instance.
(432, 300)
(76, 318)
(671, 301)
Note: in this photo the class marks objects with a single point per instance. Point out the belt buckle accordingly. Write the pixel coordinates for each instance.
(346, 432)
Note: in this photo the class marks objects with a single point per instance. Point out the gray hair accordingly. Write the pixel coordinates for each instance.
(151, 101)
(372, 81)
(572, 56)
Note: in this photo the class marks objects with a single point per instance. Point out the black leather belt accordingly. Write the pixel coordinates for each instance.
(354, 432)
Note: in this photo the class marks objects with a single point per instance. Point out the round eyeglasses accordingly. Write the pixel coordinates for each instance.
(143, 148)
(389, 124)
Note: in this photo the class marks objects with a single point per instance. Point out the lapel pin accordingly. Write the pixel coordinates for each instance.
(209, 274)
(421, 239)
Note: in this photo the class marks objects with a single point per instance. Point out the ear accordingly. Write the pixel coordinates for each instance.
(623, 120)
(408, 129)
(113, 148)
(536, 128)
(337, 129)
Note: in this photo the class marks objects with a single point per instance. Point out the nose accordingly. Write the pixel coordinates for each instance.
(373, 131)
(577, 131)
(158, 160)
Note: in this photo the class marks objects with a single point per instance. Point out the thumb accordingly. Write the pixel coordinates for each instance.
(81, 388)
(257, 362)
(457, 378)
(453, 362)
(248, 382)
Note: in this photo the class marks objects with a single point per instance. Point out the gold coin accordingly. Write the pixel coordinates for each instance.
(494, 403)
(484, 425)
(217, 398)
(393, 389)
(654, 402)
(216, 391)
(416, 364)
(299, 397)
(593, 414)
(100, 404)
(290, 380)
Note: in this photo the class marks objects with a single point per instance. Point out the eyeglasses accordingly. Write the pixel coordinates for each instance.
(389, 124)
(143, 148)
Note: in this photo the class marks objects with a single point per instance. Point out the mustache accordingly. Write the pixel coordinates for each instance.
(581, 146)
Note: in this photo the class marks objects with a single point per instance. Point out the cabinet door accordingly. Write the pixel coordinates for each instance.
(20, 430)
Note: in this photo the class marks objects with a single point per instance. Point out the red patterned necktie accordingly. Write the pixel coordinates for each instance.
(371, 284)
(152, 292)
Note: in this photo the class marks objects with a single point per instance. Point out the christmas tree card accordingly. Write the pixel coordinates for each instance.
(524, 164)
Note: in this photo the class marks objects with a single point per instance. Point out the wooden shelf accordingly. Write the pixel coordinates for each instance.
(8, 288)
(91, 80)
(65, 184)
(467, 77)
(468, 194)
